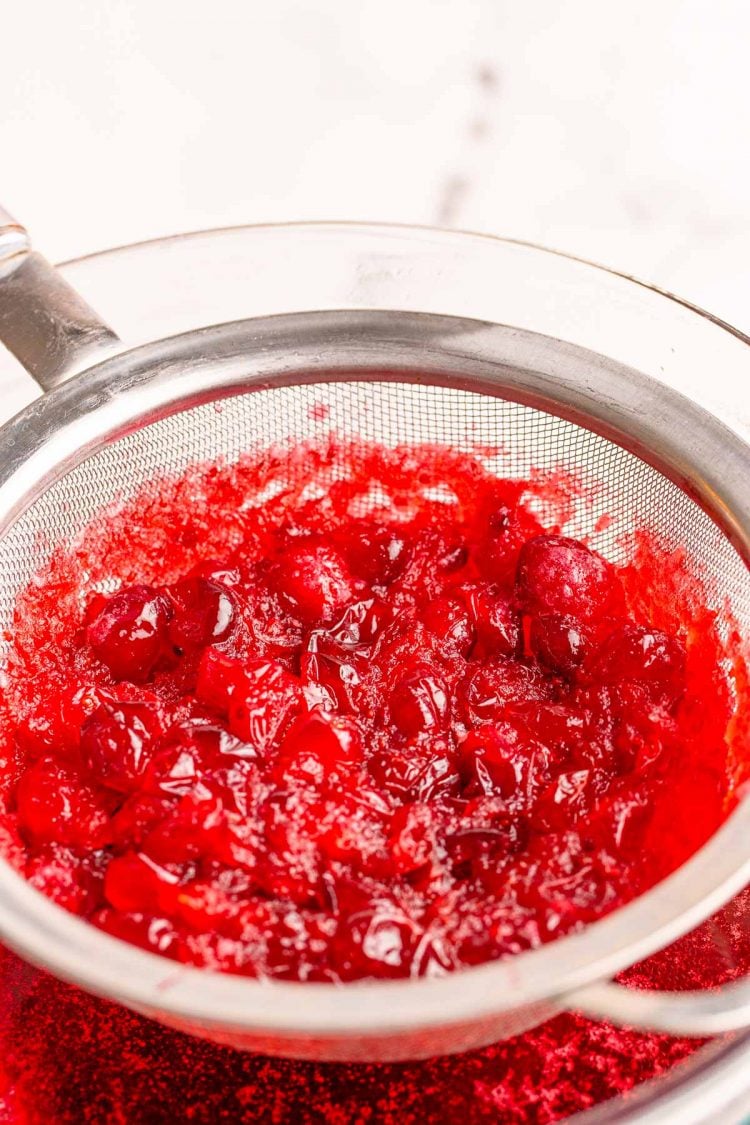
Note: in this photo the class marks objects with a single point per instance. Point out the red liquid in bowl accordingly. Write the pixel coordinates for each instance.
(360, 713)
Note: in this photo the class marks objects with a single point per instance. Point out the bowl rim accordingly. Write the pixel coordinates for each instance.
(103, 403)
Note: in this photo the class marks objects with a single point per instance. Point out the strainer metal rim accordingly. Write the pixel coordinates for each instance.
(59, 430)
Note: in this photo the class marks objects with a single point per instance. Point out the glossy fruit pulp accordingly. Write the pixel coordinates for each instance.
(356, 713)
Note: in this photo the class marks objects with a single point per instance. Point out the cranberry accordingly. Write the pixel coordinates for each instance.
(137, 817)
(559, 575)
(496, 620)
(55, 805)
(490, 687)
(197, 828)
(420, 771)
(157, 935)
(568, 798)
(375, 551)
(65, 878)
(419, 702)
(412, 839)
(204, 613)
(129, 632)
(487, 758)
(560, 642)
(118, 740)
(259, 698)
(504, 528)
(335, 659)
(217, 571)
(448, 619)
(379, 939)
(313, 582)
(136, 884)
(481, 838)
(637, 652)
(317, 744)
(52, 724)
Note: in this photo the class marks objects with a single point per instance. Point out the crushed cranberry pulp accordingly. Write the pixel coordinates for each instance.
(356, 712)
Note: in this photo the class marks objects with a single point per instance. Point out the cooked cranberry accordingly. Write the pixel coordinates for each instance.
(375, 551)
(204, 613)
(259, 698)
(420, 771)
(419, 702)
(412, 839)
(315, 745)
(52, 724)
(487, 757)
(559, 575)
(136, 884)
(559, 641)
(492, 686)
(55, 805)
(129, 633)
(496, 620)
(313, 582)
(158, 935)
(448, 619)
(569, 797)
(68, 880)
(636, 652)
(217, 571)
(118, 740)
(392, 729)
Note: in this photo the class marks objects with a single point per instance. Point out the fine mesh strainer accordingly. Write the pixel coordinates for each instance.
(657, 460)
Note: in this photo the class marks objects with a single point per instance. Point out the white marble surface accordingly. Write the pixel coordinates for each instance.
(615, 132)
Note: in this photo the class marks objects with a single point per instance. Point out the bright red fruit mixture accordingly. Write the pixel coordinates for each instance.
(356, 712)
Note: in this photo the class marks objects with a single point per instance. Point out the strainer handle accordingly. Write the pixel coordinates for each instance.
(43, 321)
(698, 1013)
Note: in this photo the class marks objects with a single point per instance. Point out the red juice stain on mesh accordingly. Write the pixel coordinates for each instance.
(369, 670)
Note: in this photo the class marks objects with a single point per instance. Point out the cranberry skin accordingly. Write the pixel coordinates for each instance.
(424, 770)
(637, 652)
(559, 642)
(135, 884)
(487, 690)
(55, 805)
(568, 798)
(129, 632)
(204, 613)
(313, 582)
(412, 841)
(379, 939)
(335, 659)
(52, 724)
(419, 703)
(497, 622)
(375, 552)
(218, 571)
(157, 935)
(259, 698)
(486, 760)
(448, 619)
(64, 877)
(316, 745)
(118, 740)
(559, 575)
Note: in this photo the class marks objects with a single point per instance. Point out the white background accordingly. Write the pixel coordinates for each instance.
(618, 132)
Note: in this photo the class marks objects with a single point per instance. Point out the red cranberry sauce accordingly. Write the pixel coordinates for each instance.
(354, 713)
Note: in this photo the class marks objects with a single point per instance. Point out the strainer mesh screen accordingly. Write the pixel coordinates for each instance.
(515, 441)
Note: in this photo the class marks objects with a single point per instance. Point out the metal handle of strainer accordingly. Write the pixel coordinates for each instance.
(54, 333)
(49, 328)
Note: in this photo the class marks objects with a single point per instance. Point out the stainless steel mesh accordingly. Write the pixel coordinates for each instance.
(619, 484)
